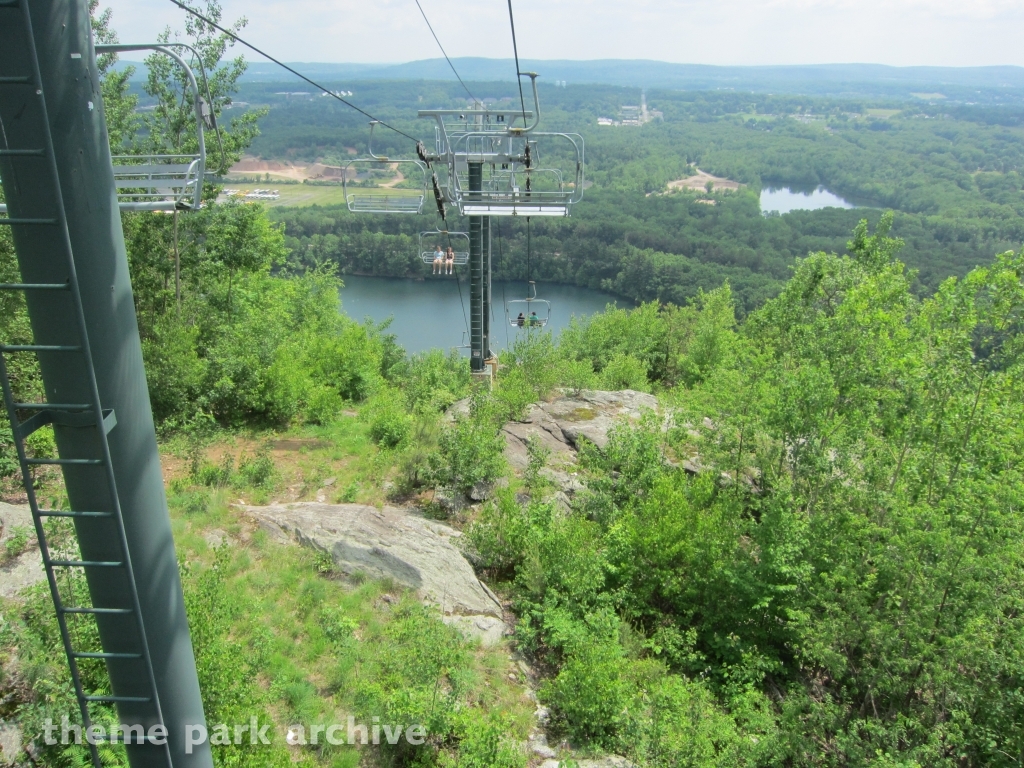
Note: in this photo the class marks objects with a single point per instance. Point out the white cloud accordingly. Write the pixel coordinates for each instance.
(899, 32)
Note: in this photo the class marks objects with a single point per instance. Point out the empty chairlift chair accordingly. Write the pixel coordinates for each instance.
(530, 312)
(165, 182)
(374, 199)
(459, 242)
(512, 182)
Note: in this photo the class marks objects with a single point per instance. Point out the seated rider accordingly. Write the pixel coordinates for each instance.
(534, 320)
(438, 260)
(450, 260)
(521, 320)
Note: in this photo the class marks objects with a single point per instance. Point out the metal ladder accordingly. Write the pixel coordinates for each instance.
(131, 659)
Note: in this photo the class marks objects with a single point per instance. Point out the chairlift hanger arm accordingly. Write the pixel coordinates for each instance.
(536, 103)
(197, 99)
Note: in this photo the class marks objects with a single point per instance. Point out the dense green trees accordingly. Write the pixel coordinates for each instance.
(839, 584)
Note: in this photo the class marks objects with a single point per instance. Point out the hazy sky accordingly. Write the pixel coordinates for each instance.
(898, 32)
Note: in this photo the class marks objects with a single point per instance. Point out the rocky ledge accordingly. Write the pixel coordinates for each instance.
(417, 553)
(562, 424)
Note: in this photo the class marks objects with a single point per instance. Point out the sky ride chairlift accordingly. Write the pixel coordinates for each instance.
(534, 312)
(515, 185)
(459, 243)
(165, 182)
(369, 202)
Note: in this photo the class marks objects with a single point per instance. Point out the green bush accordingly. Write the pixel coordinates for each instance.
(485, 741)
(388, 417)
(257, 471)
(470, 452)
(623, 371)
(590, 692)
(16, 543)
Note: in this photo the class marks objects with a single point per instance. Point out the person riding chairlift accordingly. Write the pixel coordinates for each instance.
(521, 320)
(449, 260)
(438, 260)
(534, 320)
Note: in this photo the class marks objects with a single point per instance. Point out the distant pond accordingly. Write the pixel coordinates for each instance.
(786, 199)
(429, 313)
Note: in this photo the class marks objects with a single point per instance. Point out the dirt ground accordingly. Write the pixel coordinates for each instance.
(700, 180)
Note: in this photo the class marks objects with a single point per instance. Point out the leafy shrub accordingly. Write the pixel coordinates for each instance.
(209, 474)
(485, 741)
(623, 371)
(434, 380)
(506, 531)
(589, 693)
(578, 375)
(257, 471)
(674, 722)
(336, 626)
(469, 452)
(16, 543)
(390, 422)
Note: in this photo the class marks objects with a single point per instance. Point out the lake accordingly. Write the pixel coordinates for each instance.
(786, 199)
(428, 313)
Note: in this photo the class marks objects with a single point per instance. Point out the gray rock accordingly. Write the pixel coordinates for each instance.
(10, 744)
(539, 745)
(560, 426)
(26, 569)
(608, 761)
(481, 491)
(215, 537)
(392, 543)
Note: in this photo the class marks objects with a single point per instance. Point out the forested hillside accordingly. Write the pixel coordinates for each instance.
(953, 176)
(808, 552)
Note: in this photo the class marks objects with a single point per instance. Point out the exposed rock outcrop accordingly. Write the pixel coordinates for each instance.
(393, 543)
(561, 425)
(27, 568)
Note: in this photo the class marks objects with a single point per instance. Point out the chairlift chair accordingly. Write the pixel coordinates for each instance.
(490, 136)
(536, 312)
(165, 182)
(371, 201)
(459, 242)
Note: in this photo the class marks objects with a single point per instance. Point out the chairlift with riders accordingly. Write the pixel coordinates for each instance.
(530, 312)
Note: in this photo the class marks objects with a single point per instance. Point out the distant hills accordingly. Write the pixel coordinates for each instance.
(1000, 83)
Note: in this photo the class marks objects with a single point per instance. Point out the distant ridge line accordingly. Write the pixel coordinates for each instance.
(658, 74)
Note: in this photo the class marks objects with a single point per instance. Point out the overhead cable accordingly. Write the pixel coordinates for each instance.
(281, 64)
(515, 51)
(457, 75)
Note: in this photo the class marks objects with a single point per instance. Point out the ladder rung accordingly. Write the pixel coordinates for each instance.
(65, 462)
(99, 611)
(38, 347)
(107, 655)
(54, 406)
(119, 699)
(56, 513)
(23, 80)
(22, 152)
(35, 286)
(10, 221)
(86, 564)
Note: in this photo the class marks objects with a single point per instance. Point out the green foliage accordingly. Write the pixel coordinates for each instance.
(469, 452)
(386, 412)
(228, 669)
(16, 543)
(258, 471)
(417, 677)
(624, 372)
(485, 743)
